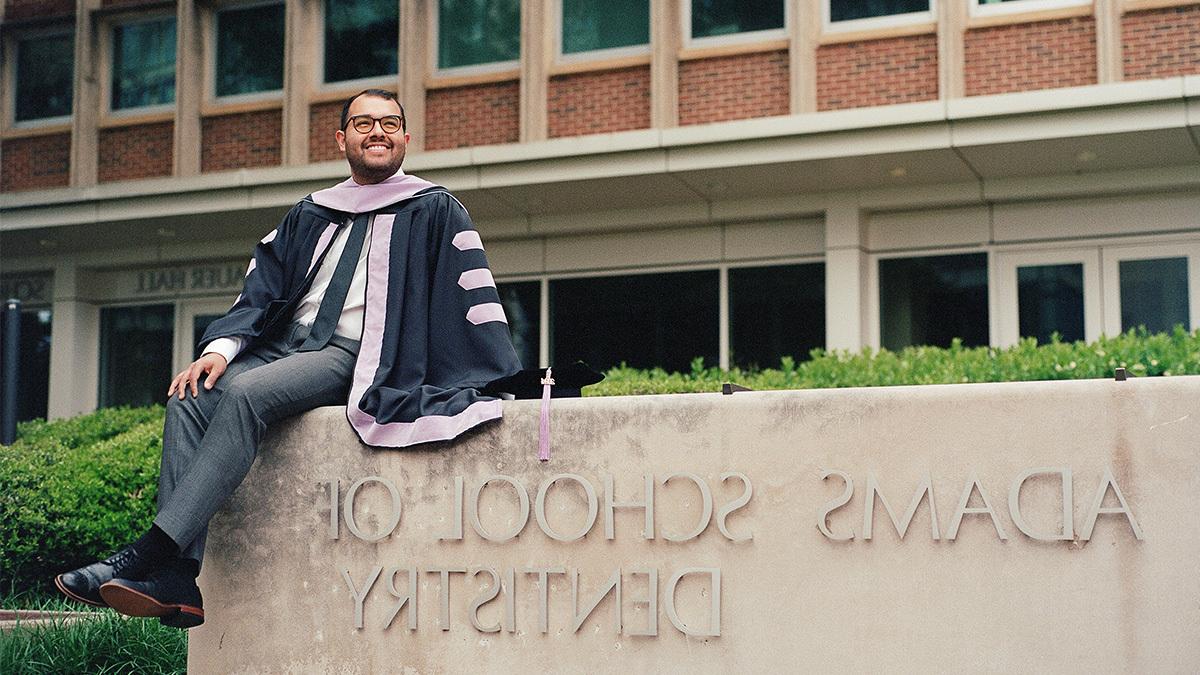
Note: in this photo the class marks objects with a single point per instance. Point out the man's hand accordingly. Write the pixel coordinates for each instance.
(211, 363)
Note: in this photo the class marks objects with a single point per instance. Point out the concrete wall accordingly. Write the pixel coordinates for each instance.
(1117, 596)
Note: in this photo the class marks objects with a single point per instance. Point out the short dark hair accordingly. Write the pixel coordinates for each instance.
(376, 93)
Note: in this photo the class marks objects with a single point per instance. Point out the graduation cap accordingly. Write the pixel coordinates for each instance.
(566, 382)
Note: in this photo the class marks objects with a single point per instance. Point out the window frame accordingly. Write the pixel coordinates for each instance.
(107, 63)
(210, 56)
(375, 81)
(1112, 256)
(1007, 262)
(561, 57)
(11, 47)
(494, 68)
(749, 37)
(875, 23)
(977, 9)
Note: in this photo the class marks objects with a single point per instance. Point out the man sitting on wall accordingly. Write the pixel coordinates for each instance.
(374, 293)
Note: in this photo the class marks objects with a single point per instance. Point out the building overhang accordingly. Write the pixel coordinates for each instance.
(1095, 140)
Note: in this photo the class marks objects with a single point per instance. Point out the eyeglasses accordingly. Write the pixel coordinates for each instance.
(363, 124)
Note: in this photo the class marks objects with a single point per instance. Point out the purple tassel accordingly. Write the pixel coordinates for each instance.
(544, 429)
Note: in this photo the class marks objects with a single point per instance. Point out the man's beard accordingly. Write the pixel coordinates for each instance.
(374, 173)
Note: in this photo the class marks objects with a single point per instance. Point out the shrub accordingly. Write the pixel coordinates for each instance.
(75, 490)
(1142, 353)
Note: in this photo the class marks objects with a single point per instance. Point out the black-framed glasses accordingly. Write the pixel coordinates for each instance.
(363, 124)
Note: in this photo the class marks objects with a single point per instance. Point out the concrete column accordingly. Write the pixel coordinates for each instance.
(414, 65)
(85, 115)
(951, 32)
(802, 65)
(846, 296)
(1108, 41)
(537, 53)
(189, 88)
(74, 348)
(300, 73)
(665, 40)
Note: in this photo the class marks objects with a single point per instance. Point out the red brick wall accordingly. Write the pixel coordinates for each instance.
(877, 72)
(241, 140)
(1161, 42)
(733, 87)
(599, 102)
(323, 121)
(478, 114)
(28, 9)
(35, 163)
(1026, 56)
(142, 151)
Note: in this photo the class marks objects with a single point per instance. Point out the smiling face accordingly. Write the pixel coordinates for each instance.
(376, 155)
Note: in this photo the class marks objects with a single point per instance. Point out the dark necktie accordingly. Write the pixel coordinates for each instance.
(335, 295)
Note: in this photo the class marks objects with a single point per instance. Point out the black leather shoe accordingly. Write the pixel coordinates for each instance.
(83, 585)
(169, 593)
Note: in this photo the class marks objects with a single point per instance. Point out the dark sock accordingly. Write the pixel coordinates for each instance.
(156, 546)
(188, 566)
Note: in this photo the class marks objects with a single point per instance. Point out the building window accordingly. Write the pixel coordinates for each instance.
(478, 32)
(718, 18)
(45, 77)
(143, 64)
(135, 354)
(523, 309)
(589, 26)
(932, 300)
(643, 320)
(249, 46)
(1154, 293)
(993, 7)
(856, 10)
(33, 368)
(776, 312)
(1050, 300)
(361, 39)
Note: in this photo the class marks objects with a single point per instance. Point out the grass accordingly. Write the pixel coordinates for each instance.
(106, 643)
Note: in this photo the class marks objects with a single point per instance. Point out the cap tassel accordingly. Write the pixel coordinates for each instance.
(544, 429)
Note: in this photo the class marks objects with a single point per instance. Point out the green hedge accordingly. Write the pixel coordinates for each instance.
(75, 490)
(1142, 353)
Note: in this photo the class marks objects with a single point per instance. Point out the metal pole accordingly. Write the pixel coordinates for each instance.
(11, 370)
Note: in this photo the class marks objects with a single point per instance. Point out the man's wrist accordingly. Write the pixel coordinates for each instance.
(226, 347)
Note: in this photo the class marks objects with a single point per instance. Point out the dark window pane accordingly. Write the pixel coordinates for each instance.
(1049, 300)
(588, 25)
(1154, 294)
(143, 64)
(930, 301)
(249, 50)
(776, 312)
(725, 17)
(135, 354)
(45, 77)
(846, 10)
(33, 364)
(522, 307)
(199, 325)
(644, 320)
(361, 38)
(472, 32)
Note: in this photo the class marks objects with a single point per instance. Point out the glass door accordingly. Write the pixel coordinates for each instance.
(1045, 292)
(1156, 286)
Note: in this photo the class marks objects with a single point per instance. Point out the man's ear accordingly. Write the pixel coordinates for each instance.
(341, 139)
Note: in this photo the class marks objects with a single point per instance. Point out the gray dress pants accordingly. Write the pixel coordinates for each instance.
(210, 440)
